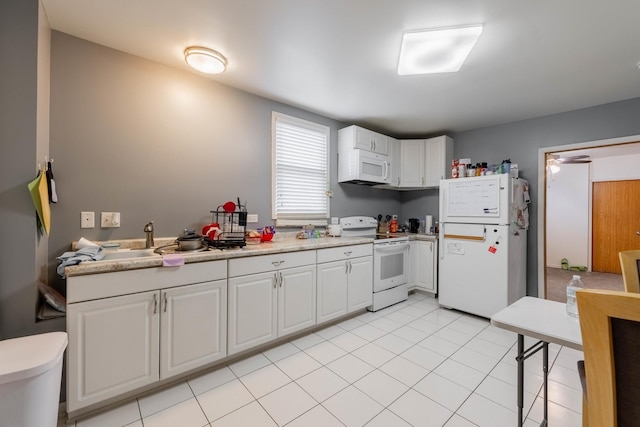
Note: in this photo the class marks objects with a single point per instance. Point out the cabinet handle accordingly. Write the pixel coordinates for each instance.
(281, 278)
(165, 302)
(155, 303)
(348, 253)
(346, 267)
(275, 280)
(277, 263)
(350, 266)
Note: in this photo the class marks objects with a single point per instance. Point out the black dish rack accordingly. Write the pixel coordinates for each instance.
(232, 228)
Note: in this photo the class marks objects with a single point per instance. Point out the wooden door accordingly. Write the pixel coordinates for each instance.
(616, 221)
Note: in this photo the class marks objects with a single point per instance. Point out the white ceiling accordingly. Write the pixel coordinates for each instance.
(338, 58)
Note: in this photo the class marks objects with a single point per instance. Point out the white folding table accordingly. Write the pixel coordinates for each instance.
(546, 321)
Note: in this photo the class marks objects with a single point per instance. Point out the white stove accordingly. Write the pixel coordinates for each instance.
(390, 260)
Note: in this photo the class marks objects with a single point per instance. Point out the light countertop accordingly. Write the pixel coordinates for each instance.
(278, 245)
(274, 247)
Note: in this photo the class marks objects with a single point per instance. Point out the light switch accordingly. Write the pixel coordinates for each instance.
(252, 217)
(87, 219)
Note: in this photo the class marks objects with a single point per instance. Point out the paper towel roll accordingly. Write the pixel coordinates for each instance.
(428, 223)
(85, 243)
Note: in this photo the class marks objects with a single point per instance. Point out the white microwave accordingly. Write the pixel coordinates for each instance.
(363, 167)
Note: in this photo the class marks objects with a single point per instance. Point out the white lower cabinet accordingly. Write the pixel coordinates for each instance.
(345, 280)
(424, 258)
(113, 347)
(193, 327)
(120, 343)
(273, 303)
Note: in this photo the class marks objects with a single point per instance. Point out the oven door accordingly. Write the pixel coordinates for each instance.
(390, 265)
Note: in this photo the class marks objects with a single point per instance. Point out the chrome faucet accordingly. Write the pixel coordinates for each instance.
(149, 230)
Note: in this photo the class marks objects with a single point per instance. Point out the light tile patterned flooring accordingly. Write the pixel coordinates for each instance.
(412, 364)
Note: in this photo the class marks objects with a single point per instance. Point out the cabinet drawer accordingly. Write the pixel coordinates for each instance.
(262, 263)
(104, 285)
(344, 252)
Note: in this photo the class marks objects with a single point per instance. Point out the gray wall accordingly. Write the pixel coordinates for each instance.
(24, 133)
(157, 143)
(520, 141)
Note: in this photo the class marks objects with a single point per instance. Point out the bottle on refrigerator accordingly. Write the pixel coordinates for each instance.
(574, 284)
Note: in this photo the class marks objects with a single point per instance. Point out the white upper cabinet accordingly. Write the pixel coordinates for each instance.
(412, 162)
(393, 173)
(424, 162)
(438, 157)
(365, 139)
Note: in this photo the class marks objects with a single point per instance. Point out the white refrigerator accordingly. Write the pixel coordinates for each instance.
(483, 243)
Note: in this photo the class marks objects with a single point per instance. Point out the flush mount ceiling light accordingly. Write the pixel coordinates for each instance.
(205, 60)
(436, 51)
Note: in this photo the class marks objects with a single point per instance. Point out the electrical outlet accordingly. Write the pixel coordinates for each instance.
(87, 219)
(334, 220)
(109, 219)
(252, 217)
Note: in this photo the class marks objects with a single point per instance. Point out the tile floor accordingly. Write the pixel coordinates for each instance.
(413, 364)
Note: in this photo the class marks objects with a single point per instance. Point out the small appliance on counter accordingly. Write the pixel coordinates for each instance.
(414, 225)
(334, 230)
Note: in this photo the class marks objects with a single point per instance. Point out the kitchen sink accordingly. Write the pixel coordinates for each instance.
(121, 254)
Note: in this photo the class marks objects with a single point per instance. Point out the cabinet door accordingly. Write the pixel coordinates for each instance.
(371, 141)
(412, 163)
(394, 162)
(252, 311)
(364, 139)
(438, 156)
(332, 290)
(380, 144)
(413, 264)
(193, 326)
(360, 283)
(425, 273)
(113, 347)
(296, 299)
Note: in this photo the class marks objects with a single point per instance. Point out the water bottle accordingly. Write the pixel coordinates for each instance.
(574, 284)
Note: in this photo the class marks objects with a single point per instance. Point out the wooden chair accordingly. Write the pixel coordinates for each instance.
(610, 327)
(630, 263)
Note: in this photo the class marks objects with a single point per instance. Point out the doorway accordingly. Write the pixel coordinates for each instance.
(629, 146)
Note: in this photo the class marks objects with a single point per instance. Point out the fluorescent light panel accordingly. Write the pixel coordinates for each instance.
(436, 51)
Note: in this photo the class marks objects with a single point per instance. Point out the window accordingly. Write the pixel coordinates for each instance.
(300, 171)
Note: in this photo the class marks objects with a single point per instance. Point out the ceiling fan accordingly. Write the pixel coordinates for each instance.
(555, 160)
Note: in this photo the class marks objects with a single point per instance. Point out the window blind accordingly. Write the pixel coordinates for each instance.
(300, 171)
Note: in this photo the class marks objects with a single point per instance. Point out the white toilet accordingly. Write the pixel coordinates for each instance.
(30, 375)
